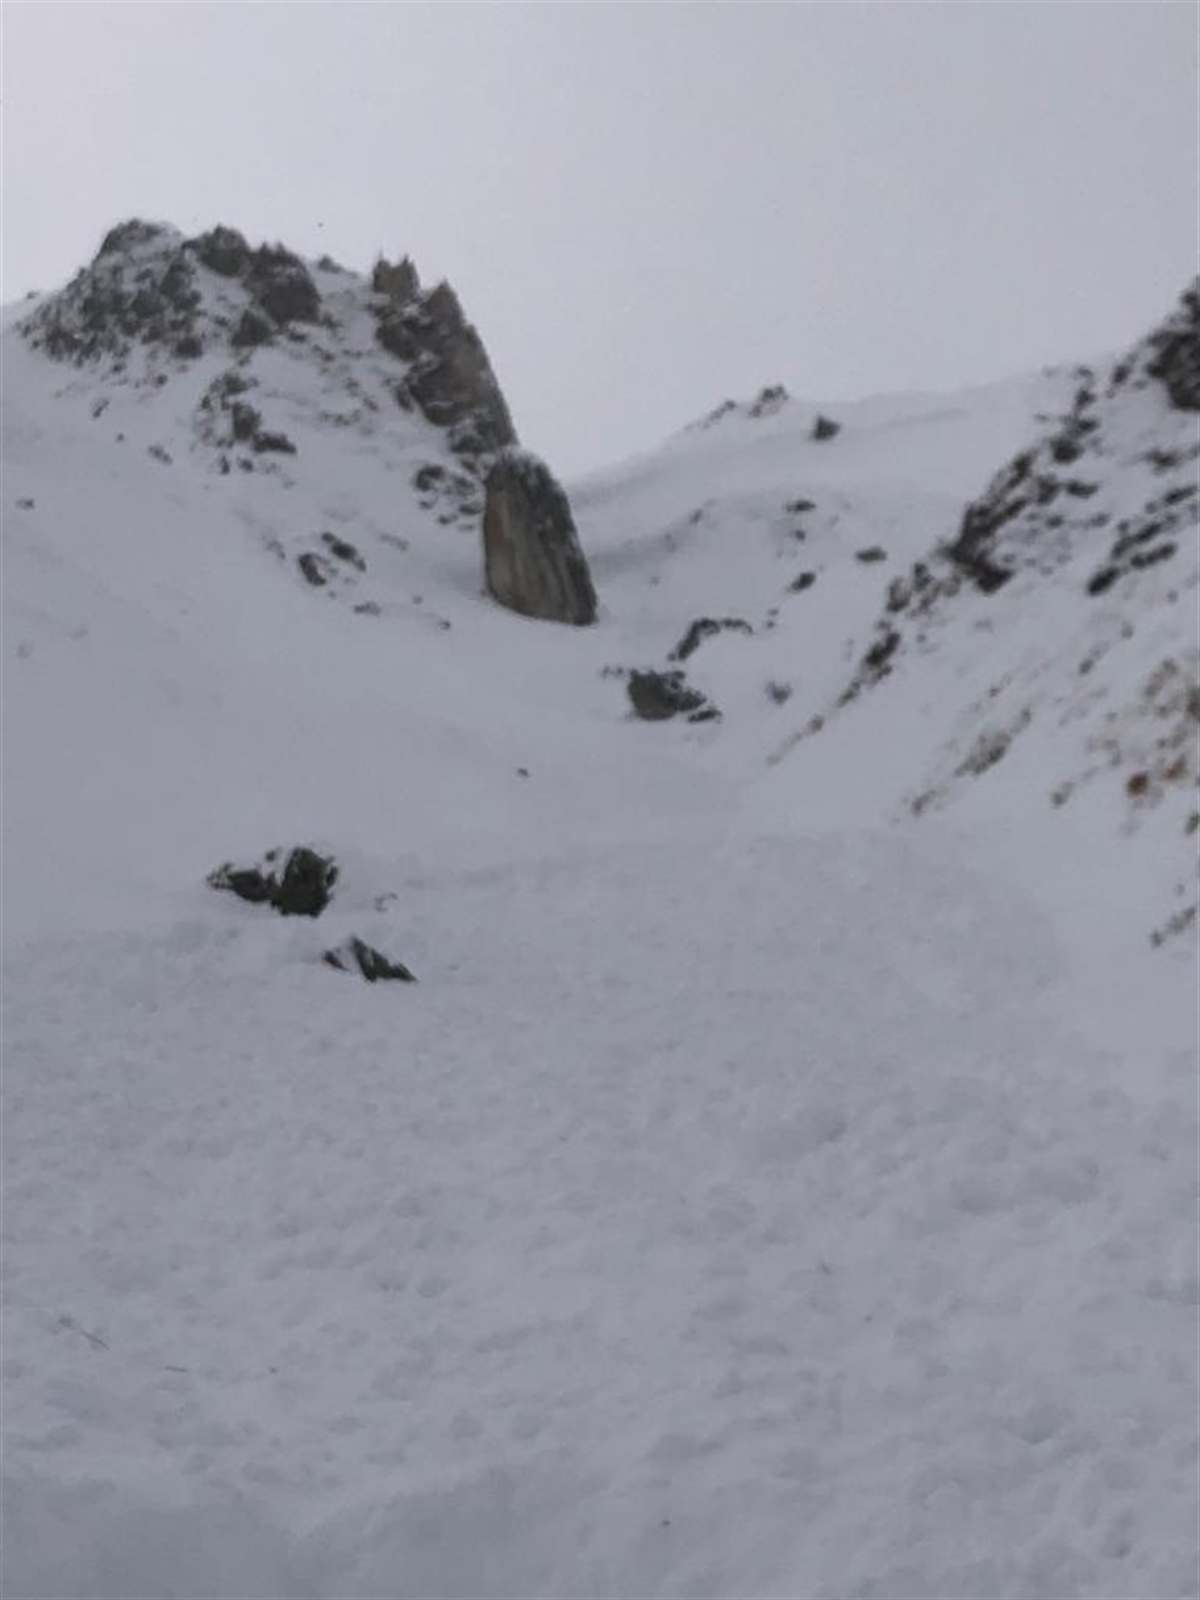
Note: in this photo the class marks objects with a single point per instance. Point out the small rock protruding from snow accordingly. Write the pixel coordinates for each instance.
(532, 557)
(659, 696)
(704, 628)
(371, 963)
(302, 889)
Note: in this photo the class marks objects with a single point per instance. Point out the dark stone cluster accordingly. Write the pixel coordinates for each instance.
(449, 377)
(1175, 358)
(141, 288)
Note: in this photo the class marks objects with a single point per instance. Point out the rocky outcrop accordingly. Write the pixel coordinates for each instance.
(532, 559)
(223, 250)
(398, 280)
(142, 288)
(282, 285)
(302, 888)
(139, 289)
(449, 377)
(1065, 501)
(659, 696)
(1175, 357)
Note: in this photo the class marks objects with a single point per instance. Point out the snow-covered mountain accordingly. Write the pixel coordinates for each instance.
(782, 1177)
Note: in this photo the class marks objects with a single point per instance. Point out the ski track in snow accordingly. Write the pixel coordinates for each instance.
(629, 1225)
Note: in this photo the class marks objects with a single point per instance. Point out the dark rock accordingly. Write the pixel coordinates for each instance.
(657, 696)
(798, 507)
(303, 890)
(308, 880)
(770, 400)
(315, 570)
(371, 963)
(397, 333)
(245, 421)
(189, 347)
(273, 443)
(532, 559)
(878, 658)
(344, 551)
(704, 628)
(872, 553)
(126, 235)
(399, 281)
(254, 327)
(972, 550)
(825, 428)
(121, 299)
(1175, 361)
(802, 581)
(875, 664)
(429, 478)
(450, 377)
(282, 285)
(248, 883)
(222, 250)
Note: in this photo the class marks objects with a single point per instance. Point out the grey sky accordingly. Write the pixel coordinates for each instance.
(647, 207)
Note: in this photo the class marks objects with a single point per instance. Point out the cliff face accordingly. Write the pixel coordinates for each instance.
(450, 378)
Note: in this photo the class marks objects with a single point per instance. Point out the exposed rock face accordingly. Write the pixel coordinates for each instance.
(398, 280)
(223, 250)
(1065, 499)
(1176, 347)
(450, 377)
(282, 285)
(142, 289)
(152, 300)
(532, 558)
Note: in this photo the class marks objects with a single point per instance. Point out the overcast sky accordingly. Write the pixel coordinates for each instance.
(646, 208)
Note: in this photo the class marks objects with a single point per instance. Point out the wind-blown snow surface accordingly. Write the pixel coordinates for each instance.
(763, 1192)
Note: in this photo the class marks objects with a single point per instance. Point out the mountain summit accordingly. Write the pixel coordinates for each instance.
(155, 308)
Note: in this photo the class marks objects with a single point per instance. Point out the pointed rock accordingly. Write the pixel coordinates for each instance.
(532, 558)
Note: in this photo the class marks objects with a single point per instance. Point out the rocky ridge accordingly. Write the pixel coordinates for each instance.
(153, 306)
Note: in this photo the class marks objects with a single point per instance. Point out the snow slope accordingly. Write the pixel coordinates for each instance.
(766, 1190)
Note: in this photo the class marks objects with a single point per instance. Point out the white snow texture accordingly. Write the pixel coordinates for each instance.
(764, 1191)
